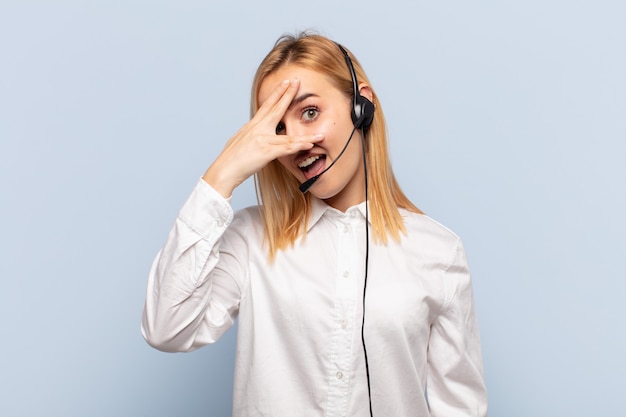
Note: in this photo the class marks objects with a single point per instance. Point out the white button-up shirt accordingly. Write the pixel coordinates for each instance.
(299, 349)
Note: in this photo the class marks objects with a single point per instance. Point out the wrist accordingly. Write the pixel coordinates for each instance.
(215, 179)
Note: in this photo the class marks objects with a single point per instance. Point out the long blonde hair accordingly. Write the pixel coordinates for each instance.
(284, 209)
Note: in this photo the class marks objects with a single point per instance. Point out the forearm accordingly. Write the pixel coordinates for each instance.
(190, 301)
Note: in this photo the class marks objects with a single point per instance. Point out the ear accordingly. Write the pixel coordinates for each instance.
(366, 91)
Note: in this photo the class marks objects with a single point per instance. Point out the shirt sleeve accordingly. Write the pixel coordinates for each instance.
(193, 291)
(455, 383)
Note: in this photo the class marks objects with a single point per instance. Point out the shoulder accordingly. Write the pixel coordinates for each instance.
(431, 246)
(427, 236)
(422, 224)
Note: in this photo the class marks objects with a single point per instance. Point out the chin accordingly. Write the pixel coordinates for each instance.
(323, 193)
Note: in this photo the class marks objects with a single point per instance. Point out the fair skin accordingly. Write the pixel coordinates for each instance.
(303, 123)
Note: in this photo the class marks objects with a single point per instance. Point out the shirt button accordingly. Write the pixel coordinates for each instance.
(344, 323)
(353, 213)
(220, 223)
(346, 274)
(346, 228)
(339, 375)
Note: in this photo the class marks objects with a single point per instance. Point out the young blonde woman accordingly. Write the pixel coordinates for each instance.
(351, 302)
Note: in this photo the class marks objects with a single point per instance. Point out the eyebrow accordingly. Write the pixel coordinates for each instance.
(301, 98)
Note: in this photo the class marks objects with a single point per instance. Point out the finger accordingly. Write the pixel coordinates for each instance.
(276, 109)
(283, 103)
(283, 139)
(282, 145)
(273, 98)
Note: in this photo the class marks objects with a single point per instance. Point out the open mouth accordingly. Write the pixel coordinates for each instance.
(312, 164)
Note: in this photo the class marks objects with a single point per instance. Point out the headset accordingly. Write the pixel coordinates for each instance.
(362, 108)
(362, 115)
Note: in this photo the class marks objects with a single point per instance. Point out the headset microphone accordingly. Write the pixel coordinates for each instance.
(304, 187)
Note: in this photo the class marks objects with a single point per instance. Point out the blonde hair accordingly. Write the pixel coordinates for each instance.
(284, 209)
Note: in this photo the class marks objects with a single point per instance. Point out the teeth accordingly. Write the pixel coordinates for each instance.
(308, 161)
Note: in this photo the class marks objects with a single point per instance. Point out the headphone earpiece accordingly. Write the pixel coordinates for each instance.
(362, 112)
(362, 108)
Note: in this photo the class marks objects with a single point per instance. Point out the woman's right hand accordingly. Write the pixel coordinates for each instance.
(256, 143)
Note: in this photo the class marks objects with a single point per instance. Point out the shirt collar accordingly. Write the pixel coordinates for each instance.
(319, 209)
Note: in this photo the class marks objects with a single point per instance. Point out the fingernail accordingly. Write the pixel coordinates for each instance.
(318, 136)
(295, 82)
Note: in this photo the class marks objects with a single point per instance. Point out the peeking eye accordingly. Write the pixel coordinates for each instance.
(310, 113)
(280, 128)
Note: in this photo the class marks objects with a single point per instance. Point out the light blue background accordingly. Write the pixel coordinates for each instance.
(507, 122)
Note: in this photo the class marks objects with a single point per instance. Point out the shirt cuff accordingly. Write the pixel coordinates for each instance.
(206, 211)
